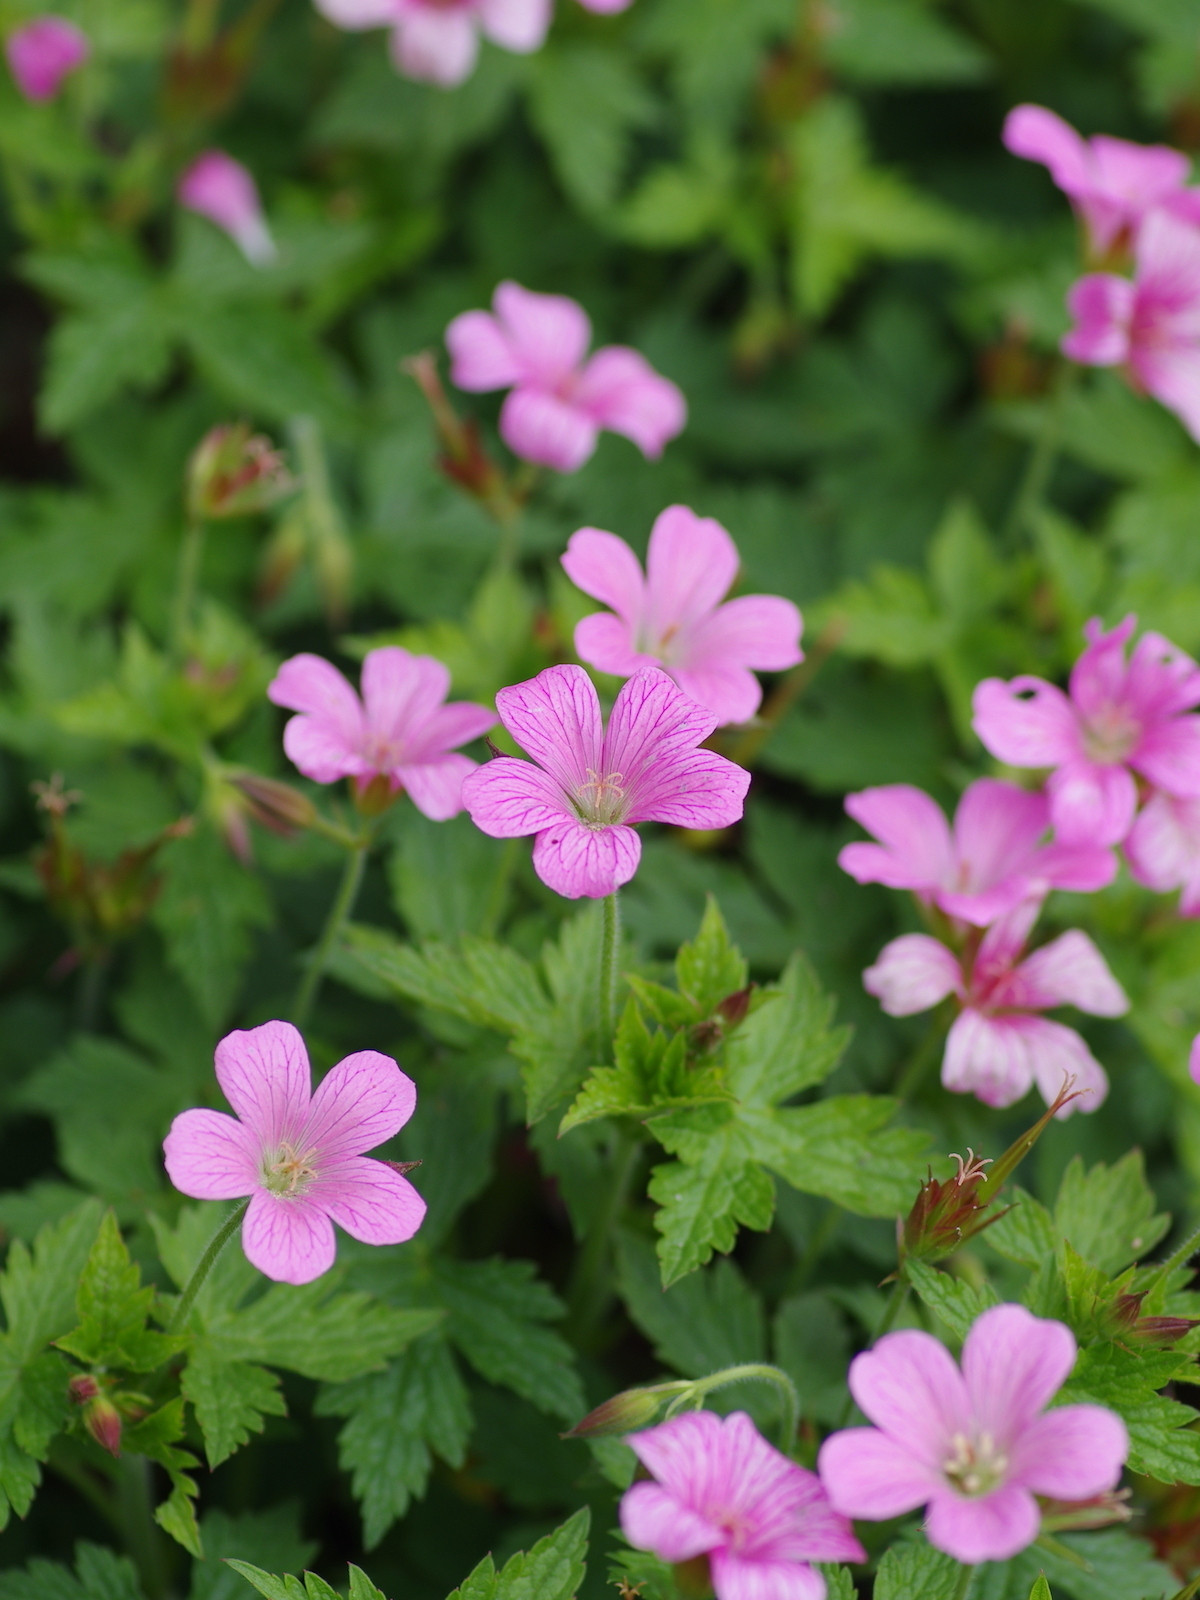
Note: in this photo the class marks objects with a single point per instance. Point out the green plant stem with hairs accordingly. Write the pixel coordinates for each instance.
(356, 860)
(205, 1265)
(609, 975)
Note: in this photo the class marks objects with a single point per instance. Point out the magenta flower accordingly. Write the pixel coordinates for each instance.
(673, 617)
(606, 7)
(1112, 184)
(998, 1046)
(983, 869)
(590, 787)
(298, 1155)
(1163, 849)
(1150, 326)
(535, 345)
(400, 730)
(44, 52)
(974, 1446)
(722, 1491)
(222, 189)
(437, 41)
(1118, 718)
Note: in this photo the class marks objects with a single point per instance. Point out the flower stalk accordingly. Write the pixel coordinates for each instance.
(339, 912)
(205, 1265)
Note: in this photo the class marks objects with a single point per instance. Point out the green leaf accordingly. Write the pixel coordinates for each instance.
(91, 357)
(98, 1575)
(899, 42)
(272, 1538)
(231, 1399)
(711, 1320)
(284, 1588)
(1107, 1214)
(1162, 1443)
(710, 968)
(1041, 1589)
(1026, 1234)
(912, 1569)
(552, 1570)
(156, 1436)
(956, 1302)
(812, 1345)
(652, 1072)
(587, 103)
(1112, 1564)
(113, 1308)
(361, 1587)
(261, 357)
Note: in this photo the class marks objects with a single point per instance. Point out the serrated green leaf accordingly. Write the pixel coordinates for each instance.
(552, 1570)
(915, 1569)
(231, 1399)
(1041, 1589)
(703, 1203)
(284, 1588)
(99, 1575)
(93, 356)
(956, 1302)
(1107, 1213)
(1026, 1233)
(587, 102)
(112, 1308)
(156, 1436)
(711, 1320)
(710, 968)
(361, 1587)
(652, 1073)
(1162, 1443)
(269, 1538)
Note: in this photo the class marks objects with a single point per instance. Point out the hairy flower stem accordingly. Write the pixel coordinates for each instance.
(609, 975)
(753, 1371)
(589, 1290)
(1036, 478)
(966, 1579)
(205, 1265)
(341, 908)
(190, 552)
(890, 1312)
(141, 1536)
(1188, 1248)
(923, 1057)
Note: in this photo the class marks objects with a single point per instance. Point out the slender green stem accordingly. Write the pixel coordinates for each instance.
(1177, 1258)
(204, 1266)
(608, 964)
(91, 989)
(922, 1059)
(966, 1579)
(753, 1371)
(84, 1483)
(588, 1292)
(341, 908)
(141, 1535)
(1190, 1593)
(1042, 456)
(890, 1312)
(190, 552)
(499, 893)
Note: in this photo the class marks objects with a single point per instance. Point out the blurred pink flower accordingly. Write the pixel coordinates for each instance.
(1114, 185)
(401, 729)
(298, 1155)
(997, 1047)
(222, 189)
(992, 860)
(673, 617)
(590, 787)
(43, 52)
(1118, 718)
(1150, 325)
(1194, 1060)
(437, 41)
(535, 345)
(974, 1446)
(722, 1491)
(1163, 849)
(606, 7)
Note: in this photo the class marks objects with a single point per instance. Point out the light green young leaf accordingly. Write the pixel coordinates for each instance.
(587, 103)
(113, 1308)
(1107, 1213)
(710, 967)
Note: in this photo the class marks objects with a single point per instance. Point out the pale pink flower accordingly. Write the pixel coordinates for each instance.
(1150, 325)
(1194, 1060)
(299, 1156)
(974, 1446)
(1119, 717)
(437, 41)
(998, 1046)
(722, 1491)
(1113, 185)
(606, 7)
(44, 52)
(401, 729)
(222, 189)
(590, 787)
(672, 617)
(1163, 849)
(992, 860)
(535, 345)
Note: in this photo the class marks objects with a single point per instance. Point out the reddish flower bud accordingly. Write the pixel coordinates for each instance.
(1101, 1511)
(276, 805)
(1157, 1332)
(233, 473)
(83, 1387)
(946, 1214)
(625, 1412)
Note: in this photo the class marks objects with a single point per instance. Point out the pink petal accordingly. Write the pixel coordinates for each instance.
(367, 1198)
(549, 333)
(454, 724)
(606, 643)
(913, 973)
(740, 1577)
(1072, 1453)
(517, 25)
(223, 190)
(1143, 175)
(575, 860)
(909, 1386)
(435, 787)
(691, 563)
(606, 7)
(1092, 803)
(1169, 756)
(680, 1453)
(358, 13)
(401, 692)
(868, 1474)
(988, 1057)
(652, 734)
(435, 45)
(1071, 971)
(1057, 1053)
(211, 1156)
(551, 432)
(509, 799)
(321, 754)
(1100, 677)
(1194, 1060)
(326, 742)
(732, 694)
(1026, 722)
(1041, 135)
(991, 1528)
(555, 717)
(265, 1076)
(1173, 378)
(755, 630)
(996, 828)
(42, 52)
(362, 1102)
(289, 1239)
(1162, 680)
(1006, 938)
(606, 568)
(915, 850)
(695, 789)
(1163, 848)
(481, 356)
(1013, 1364)
(1080, 867)
(1102, 309)
(621, 391)
(653, 1519)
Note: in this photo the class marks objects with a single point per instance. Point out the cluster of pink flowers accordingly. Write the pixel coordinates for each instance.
(1134, 203)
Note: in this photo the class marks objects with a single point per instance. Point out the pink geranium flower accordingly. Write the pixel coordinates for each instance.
(590, 787)
(223, 190)
(991, 861)
(437, 41)
(1150, 325)
(974, 1445)
(1114, 185)
(1163, 849)
(722, 1491)
(400, 730)
(298, 1155)
(998, 1046)
(535, 345)
(672, 617)
(44, 52)
(1119, 717)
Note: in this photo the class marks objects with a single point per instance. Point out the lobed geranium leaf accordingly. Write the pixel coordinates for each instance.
(113, 1309)
(99, 1575)
(231, 1399)
(552, 1570)
(1108, 1213)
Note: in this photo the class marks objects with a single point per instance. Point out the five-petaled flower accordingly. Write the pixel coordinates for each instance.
(991, 861)
(1119, 717)
(998, 1046)
(590, 787)
(975, 1445)
(401, 730)
(673, 616)
(43, 52)
(223, 190)
(535, 345)
(299, 1156)
(723, 1492)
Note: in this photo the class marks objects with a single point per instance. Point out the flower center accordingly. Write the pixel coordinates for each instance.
(288, 1172)
(1109, 736)
(601, 800)
(976, 1466)
(383, 754)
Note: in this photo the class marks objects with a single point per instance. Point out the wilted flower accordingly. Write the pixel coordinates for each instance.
(973, 1446)
(590, 787)
(223, 190)
(673, 616)
(43, 52)
(437, 41)
(723, 1492)
(299, 1156)
(535, 345)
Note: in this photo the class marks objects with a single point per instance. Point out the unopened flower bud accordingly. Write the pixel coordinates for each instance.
(100, 1416)
(233, 473)
(735, 1006)
(1101, 1511)
(945, 1214)
(624, 1413)
(223, 190)
(276, 805)
(83, 1387)
(1159, 1333)
(374, 798)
